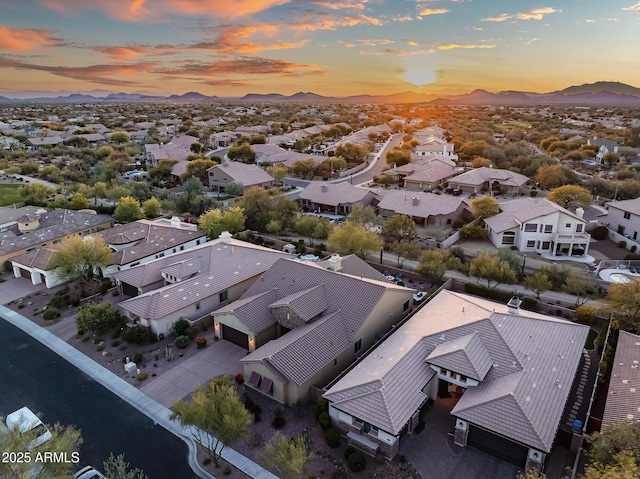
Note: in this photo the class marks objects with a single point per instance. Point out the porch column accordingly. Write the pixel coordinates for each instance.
(461, 433)
(535, 460)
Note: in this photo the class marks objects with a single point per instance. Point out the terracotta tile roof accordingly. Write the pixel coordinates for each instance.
(523, 395)
(35, 259)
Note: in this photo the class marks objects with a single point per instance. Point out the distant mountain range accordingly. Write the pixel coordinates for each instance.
(599, 93)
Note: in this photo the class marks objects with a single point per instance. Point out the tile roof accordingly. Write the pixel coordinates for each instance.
(534, 360)
(38, 258)
(149, 238)
(53, 225)
(307, 304)
(632, 206)
(484, 174)
(623, 398)
(431, 173)
(243, 173)
(9, 214)
(514, 213)
(334, 194)
(428, 204)
(253, 311)
(351, 264)
(466, 355)
(224, 263)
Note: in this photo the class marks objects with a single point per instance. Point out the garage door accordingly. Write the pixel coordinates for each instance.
(234, 336)
(497, 446)
(25, 273)
(129, 290)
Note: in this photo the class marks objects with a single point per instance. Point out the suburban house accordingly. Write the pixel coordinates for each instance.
(9, 214)
(539, 226)
(32, 232)
(624, 218)
(334, 198)
(490, 179)
(178, 149)
(37, 142)
(305, 322)
(623, 398)
(435, 145)
(423, 173)
(248, 175)
(425, 208)
(508, 375)
(190, 284)
(142, 241)
(605, 146)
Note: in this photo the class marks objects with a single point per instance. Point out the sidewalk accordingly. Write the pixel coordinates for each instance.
(145, 404)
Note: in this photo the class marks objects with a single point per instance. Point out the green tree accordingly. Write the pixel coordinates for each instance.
(610, 159)
(304, 168)
(287, 456)
(217, 220)
(120, 137)
(623, 300)
(117, 468)
(551, 176)
(624, 466)
(235, 188)
(36, 193)
(50, 173)
(615, 439)
(580, 285)
(492, 269)
(537, 283)
(363, 215)
(128, 210)
(77, 259)
(64, 440)
(405, 251)
(350, 238)
(97, 318)
(279, 172)
(398, 157)
(198, 168)
(351, 152)
(485, 207)
(244, 153)
(435, 263)
(475, 148)
(163, 170)
(151, 208)
(119, 161)
(571, 197)
(214, 409)
(400, 228)
(78, 201)
(274, 226)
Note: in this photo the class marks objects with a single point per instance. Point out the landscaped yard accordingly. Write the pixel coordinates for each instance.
(9, 195)
(513, 124)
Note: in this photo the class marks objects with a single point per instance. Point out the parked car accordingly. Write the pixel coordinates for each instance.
(88, 472)
(457, 192)
(25, 420)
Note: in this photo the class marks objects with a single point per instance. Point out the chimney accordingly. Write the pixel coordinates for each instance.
(335, 262)
(580, 212)
(514, 305)
(415, 201)
(175, 222)
(225, 237)
(324, 187)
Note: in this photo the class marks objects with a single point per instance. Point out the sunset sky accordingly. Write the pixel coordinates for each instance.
(342, 47)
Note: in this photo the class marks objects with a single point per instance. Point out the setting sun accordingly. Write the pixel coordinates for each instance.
(420, 76)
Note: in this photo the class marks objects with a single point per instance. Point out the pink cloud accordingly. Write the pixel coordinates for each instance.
(23, 39)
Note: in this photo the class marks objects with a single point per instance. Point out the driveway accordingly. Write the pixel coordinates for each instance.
(217, 359)
(16, 288)
(435, 456)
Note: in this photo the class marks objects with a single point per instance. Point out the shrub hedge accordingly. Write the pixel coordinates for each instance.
(505, 296)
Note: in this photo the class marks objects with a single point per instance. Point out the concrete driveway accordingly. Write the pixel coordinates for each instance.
(218, 358)
(15, 288)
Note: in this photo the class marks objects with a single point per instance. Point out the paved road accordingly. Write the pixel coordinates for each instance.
(32, 375)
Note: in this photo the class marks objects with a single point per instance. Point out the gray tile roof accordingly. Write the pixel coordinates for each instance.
(523, 395)
(466, 355)
(351, 264)
(431, 173)
(485, 174)
(252, 311)
(149, 238)
(53, 225)
(429, 204)
(335, 194)
(514, 213)
(632, 206)
(223, 265)
(623, 398)
(9, 214)
(243, 173)
(307, 304)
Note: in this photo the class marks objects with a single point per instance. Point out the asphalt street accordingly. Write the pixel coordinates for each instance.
(32, 375)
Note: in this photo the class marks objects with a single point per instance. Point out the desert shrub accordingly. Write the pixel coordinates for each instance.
(105, 285)
(201, 342)
(348, 451)
(182, 342)
(57, 301)
(115, 343)
(632, 256)
(633, 248)
(533, 193)
(599, 232)
(278, 422)
(321, 405)
(324, 420)
(586, 314)
(181, 327)
(142, 376)
(153, 337)
(332, 436)
(473, 232)
(100, 348)
(504, 296)
(98, 318)
(191, 332)
(136, 335)
(50, 314)
(138, 357)
(622, 244)
(357, 462)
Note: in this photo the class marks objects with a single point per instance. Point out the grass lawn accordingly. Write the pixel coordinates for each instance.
(510, 125)
(9, 195)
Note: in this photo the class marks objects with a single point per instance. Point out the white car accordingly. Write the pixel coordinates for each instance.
(25, 420)
(88, 472)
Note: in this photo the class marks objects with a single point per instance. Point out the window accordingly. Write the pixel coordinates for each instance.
(85, 232)
(508, 237)
(56, 241)
(197, 306)
(546, 245)
(443, 371)
(135, 264)
(568, 225)
(627, 215)
(531, 227)
(531, 244)
(548, 228)
(358, 345)
(463, 378)
(405, 306)
(223, 296)
(579, 228)
(31, 249)
(335, 361)
(620, 230)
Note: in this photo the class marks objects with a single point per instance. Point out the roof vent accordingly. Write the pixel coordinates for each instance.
(324, 187)
(415, 201)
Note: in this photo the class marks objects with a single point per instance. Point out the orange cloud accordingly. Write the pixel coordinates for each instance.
(464, 46)
(535, 14)
(20, 40)
(332, 23)
(124, 53)
(239, 66)
(341, 5)
(433, 11)
(235, 38)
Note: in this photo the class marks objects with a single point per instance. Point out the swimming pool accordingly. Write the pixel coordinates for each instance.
(619, 278)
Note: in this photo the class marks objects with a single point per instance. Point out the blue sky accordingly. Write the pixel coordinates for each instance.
(230, 48)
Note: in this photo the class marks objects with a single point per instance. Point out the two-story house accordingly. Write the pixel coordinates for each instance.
(624, 218)
(539, 226)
